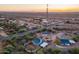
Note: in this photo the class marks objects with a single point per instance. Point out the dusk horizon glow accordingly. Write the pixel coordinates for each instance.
(39, 8)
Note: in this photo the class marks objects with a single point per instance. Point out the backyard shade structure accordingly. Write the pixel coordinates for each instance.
(39, 42)
(44, 44)
(72, 41)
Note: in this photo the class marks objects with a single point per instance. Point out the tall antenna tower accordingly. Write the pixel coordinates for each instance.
(47, 11)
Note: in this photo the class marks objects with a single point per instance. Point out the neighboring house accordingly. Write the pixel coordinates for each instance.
(21, 22)
(2, 33)
(2, 38)
(46, 36)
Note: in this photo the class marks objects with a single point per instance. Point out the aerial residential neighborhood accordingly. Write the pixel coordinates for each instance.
(38, 31)
(38, 35)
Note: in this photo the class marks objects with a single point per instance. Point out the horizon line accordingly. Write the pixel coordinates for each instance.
(40, 12)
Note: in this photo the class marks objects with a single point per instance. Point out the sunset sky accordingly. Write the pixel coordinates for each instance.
(39, 7)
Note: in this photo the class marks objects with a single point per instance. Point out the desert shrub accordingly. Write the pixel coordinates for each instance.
(52, 51)
(76, 38)
(57, 42)
(74, 51)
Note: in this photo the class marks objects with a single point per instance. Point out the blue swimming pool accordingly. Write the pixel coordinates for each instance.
(64, 41)
(37, 41)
